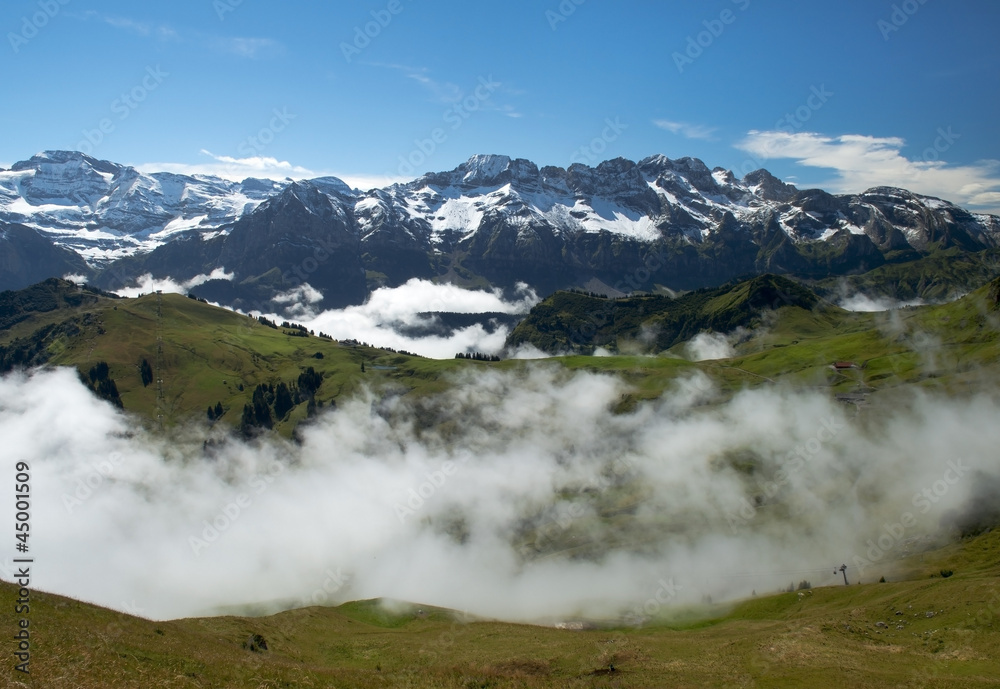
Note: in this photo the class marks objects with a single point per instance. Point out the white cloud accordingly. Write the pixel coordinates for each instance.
(688, 131)
(366, 182)
(534, 457)
(862, 162)
(864, 303)
(246, 47)
(392, 314)
(709, 347)
(526, 350)
(147, 284)
(264, 167)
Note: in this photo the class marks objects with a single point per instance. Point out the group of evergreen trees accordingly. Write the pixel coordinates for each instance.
(100, 381)
(272, 402)
(477, 356)
(803, 585)
(296, 326)
(390, 350)
(215, 413)
(397, 351)
(586, 293)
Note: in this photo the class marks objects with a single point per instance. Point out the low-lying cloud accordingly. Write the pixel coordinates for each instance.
(390, 313)
(147, 284)
(709, 346)
(517, 495)
(864, 303)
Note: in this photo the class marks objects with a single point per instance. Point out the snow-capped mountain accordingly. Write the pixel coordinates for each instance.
(105, 211)
(492, 220)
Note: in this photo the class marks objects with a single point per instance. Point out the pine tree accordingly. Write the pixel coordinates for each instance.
(145, 372)
(309, 382)
(261, 407)
(248, 421)
(282, 401)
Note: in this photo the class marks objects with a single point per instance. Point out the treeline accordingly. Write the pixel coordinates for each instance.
(803, 585)
(290, 328)
(271, 403)
(477, 356)
(595, 295)
(390, 350)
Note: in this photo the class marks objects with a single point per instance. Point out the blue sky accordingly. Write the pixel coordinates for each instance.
(843, 95)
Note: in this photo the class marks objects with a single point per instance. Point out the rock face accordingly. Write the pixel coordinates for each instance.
(26, 257)
(310, 236)
(492, 220)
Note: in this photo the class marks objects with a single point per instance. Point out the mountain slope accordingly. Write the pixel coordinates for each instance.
(27, 257)
(103, 210)
(574, 322)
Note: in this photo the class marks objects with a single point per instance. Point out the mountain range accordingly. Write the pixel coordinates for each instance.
(493, 221)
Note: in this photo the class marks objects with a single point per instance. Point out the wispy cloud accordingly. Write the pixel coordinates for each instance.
(688, 131)
(130, 25)
(241, 46)
(444, 92)
(861, 162)
(246, 47)
(263, 167)
(135, 27)
(449, 93)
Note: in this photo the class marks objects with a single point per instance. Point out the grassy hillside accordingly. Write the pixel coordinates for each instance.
(795, 337)
(939, 276)
(927, 631)
(202, 356)
(575, 322)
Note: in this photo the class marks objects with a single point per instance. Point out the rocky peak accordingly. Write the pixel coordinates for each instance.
(66, 178)
(68, 160)
(333, 186)
(483, 169)
(769, 187)
(301, 197)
